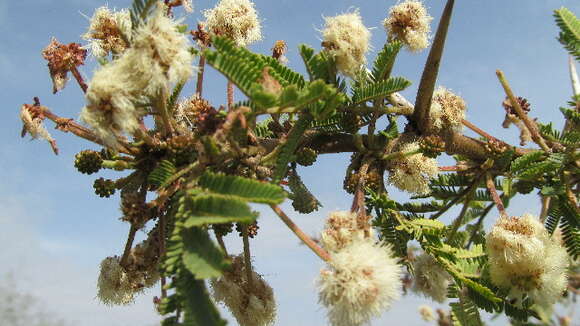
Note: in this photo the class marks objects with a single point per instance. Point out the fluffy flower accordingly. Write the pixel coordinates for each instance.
(347, 40)
(430, 278)
(236, 19)
(427, 313)
(341, 229)
(251, 306)
(108, 31)
(159, 55)
(114, 286)
(447, 109)
(526, 260)
(360, 282)
(409, 23)
(413, 172)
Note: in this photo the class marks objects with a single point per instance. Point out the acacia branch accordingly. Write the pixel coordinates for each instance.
(494, 195)
(531, 125)
(323, 254)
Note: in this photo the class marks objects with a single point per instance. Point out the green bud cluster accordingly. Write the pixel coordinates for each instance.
(222, 229)
(88, 161)
(306, 156)
(104, 187)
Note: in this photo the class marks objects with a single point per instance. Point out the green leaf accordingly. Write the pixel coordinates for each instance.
(569, 31)
(164, 170)
(199, 309)
(524, 161)
(385, 60)
(288, 148)
(141, 9)
(379, 89)
(200, 256)
(247, 189)
(200, 209)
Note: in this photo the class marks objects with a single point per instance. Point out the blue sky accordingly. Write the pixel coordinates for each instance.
(54, 231)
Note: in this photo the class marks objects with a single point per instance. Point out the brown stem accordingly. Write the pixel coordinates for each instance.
(531, 125)
(477, 130)
(545, 208)
(70, 125)
(247, 256)
(323, 254)
(494, 195)
(421, 116)
(221, 242)
(358, 201)
(79, 79)
(128, 246)
(230, 92)
(200, 71)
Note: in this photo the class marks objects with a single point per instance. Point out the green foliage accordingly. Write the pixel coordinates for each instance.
(197, 209)
(199, 309)
(172, 100)
(200, 256)
(287, 148)
(385, 60)
(141, 9)
(246, 189)
(164, 170)
(524, 161)
(379, 89)
(262, 130)
(303, 200)
(569, 31)
(465, 312)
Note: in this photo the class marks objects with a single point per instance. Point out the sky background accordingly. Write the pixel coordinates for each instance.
(54, 231)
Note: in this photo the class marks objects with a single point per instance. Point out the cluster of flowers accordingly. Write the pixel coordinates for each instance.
(362, 277)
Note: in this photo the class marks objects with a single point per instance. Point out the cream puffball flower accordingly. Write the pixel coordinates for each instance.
(360, 282)
(159, 56)
(346, 39)
(526, 260)
(431, 279)
(251, 306)
(426, 312)
(108, 32)
(447, 109)
(235, 19)
(114, 286)
(340, 230)
(409, 23)
(412, 173)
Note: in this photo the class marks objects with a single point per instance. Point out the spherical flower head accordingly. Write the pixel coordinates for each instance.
(427, 313)
(108, 32)
(526, 260)
(431, 279)
(340, 230)
(409, 22)
(159, 56)
(413, 172)
(346, 39)
(251, 306)
(360, 282)
(114, 287)
(447, 110)
(235, 19)
(160, 52)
